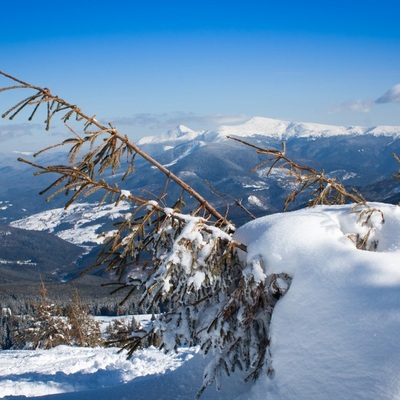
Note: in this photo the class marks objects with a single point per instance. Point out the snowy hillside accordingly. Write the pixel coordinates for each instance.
(334, 335)
(80, 224)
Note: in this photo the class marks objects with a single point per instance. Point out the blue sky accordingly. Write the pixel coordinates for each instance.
(148, 66)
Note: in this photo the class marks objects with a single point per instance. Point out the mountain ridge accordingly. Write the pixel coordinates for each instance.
(269, 127)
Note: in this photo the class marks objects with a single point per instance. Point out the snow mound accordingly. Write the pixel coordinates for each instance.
(335, 332)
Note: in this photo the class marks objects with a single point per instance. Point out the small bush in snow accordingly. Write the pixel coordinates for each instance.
(48, 326)
(45, 328)
(83, 329)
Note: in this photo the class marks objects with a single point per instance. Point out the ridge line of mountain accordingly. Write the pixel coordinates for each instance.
(274, 128)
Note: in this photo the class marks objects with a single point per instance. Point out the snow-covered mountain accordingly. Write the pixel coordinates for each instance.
(272, 128)
(180, 133)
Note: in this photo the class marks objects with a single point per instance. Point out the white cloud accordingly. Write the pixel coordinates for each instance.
(365, 106)
(14, 131)
(391, 96)
(360, 106)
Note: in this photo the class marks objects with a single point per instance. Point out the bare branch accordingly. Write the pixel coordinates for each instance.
(114, 137)
(324, 190)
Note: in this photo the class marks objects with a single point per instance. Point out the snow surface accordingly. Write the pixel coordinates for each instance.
(334, 335)
(86, 371)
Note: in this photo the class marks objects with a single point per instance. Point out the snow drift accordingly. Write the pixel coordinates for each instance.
(335, 332)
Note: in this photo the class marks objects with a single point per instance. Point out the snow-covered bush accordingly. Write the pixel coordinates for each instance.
(83, 329)
(119, 332)
(49, 325)
(45, 328)
(215, 300)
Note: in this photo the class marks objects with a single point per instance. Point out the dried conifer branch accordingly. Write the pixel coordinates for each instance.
(223, 196)
(324, 190)
(108, 154)
(397, 158)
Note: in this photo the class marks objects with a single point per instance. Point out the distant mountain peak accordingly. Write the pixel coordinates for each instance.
(256, 126)
(181, 132)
